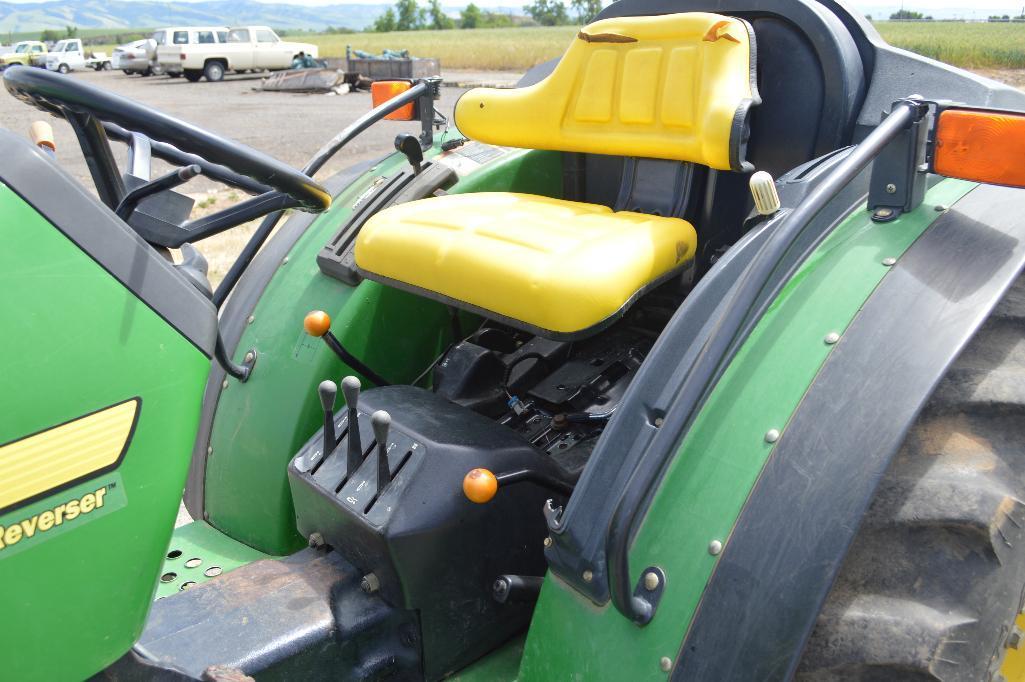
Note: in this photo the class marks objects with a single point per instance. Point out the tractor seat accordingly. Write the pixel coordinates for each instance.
(675, 87)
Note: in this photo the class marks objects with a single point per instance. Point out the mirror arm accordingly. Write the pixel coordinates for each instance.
(362, 123)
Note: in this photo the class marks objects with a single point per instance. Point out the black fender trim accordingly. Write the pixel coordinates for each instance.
(781, 560)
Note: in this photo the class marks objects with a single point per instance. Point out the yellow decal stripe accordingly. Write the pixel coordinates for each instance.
(64, 453)
(1013, 667)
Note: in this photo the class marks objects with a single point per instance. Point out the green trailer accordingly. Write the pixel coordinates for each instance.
(696, 356)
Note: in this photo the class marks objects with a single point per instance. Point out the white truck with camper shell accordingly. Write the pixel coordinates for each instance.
(245, 48)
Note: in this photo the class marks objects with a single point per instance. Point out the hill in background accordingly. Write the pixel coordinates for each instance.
(118, 14)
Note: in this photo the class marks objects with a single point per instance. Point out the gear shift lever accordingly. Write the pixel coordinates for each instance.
(354, 454)
(381, 421)
(327, 391)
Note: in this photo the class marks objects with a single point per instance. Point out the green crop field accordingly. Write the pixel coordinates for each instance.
(971, 45)
(482, 48)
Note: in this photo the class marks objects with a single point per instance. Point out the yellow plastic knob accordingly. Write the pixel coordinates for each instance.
(480, 486)
(317, 323)
(41, 133)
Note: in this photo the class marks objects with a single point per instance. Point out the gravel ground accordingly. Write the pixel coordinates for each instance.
(288, 126)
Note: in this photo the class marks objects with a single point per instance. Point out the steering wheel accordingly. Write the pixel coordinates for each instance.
(92, 112)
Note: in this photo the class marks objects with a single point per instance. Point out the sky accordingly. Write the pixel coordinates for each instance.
(926, 6)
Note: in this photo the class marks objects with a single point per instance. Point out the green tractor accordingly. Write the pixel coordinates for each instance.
(699, 355)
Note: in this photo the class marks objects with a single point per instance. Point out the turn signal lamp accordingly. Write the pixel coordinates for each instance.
(382, 91)
(980, 145)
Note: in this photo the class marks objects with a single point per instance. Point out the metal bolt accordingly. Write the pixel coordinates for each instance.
(891, 188)
(940, 208)
(250, 319)
(588, 576)
(651, 581)
(316, 540)
(831, 338)
(249, 357)
(370, 583)
(772, 435)
(224, 384)
(665, 663)
(209, 450)
(548, 542)
(658, 422)
(284, 260)
(714, 547)
(889, 261)
(882, 213)
(1014, 639)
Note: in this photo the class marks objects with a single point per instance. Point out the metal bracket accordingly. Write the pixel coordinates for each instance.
(426, 106)
(241, 371)
(648, 594)
(553, 516)
(900, 171)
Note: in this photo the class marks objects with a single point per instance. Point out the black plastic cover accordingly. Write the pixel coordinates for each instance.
(430, 548)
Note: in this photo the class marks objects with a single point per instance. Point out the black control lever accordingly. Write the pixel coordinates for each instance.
(354, 454)
(327, 391)
(516, 588)
(318, 323)
(480, 485)
(410, 146)
(169, 181)
(381, 422)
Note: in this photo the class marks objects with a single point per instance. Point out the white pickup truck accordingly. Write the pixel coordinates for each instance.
(246, 48)
(68, 55)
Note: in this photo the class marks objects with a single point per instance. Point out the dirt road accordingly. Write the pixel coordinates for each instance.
(288, 126)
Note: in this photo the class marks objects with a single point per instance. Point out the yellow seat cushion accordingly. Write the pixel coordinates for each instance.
(553, 266)
(676, 86)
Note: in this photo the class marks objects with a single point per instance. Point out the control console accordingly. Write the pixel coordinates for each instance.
(382, 483)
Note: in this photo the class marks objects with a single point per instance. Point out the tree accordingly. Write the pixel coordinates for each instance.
(436, 17)
(495, 20)
(906, 15)
(409, 16)
(547, 12)
(50, 36)
(470, 16)
(586, 10)
(70, 31)
(386, 22)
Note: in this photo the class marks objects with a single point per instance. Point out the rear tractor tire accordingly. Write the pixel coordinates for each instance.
(933, 582)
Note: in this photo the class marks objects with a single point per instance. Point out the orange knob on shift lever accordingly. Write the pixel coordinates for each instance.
(317, 323)
(480, 486)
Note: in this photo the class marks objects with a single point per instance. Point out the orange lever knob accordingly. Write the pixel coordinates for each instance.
(480, 486)
(317, 323)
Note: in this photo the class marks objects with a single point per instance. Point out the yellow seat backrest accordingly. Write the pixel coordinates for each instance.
(676, 86)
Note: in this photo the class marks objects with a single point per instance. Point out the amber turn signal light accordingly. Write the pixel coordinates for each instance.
(979, 145)
(480, 486)
(382, 91)
(316, 323)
